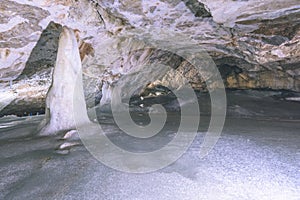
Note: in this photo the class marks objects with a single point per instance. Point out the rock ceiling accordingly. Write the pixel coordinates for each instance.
(254, 43)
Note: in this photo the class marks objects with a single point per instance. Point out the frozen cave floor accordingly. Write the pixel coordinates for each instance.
(255, 158)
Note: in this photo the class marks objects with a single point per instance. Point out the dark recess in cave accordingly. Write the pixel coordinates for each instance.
(227, 70)
(197, 8)
(43, 55)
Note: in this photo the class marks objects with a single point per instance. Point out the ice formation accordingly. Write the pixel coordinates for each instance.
(66, 92)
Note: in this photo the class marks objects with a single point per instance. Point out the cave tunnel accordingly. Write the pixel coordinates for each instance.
(150, 100)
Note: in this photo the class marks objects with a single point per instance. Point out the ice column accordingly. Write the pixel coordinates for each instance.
(66, 92)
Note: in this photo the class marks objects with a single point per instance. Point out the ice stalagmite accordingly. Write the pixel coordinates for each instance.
(65, 96)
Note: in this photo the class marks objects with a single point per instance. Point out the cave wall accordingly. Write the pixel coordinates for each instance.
(255, 44)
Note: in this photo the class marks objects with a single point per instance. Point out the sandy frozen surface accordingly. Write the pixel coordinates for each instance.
(254, 159)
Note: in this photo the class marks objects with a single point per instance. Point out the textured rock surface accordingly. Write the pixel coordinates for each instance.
(255, 44)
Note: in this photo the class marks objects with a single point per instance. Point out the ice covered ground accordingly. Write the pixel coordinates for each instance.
(256, 158)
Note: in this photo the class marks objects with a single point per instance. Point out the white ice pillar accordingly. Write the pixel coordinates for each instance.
(66, 92)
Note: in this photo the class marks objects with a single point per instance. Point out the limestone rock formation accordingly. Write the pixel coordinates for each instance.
(255, 44)
(66, 92)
